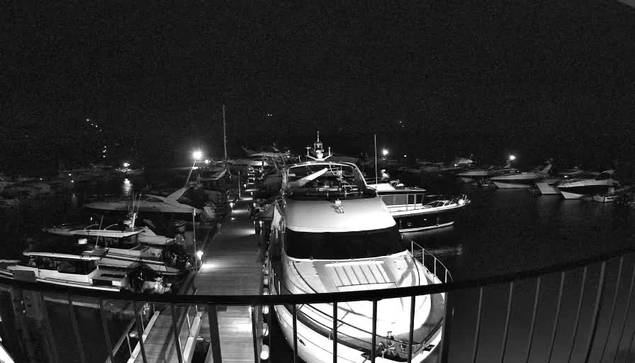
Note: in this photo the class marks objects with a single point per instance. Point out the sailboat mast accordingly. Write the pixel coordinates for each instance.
(376, 181)
(224, 137)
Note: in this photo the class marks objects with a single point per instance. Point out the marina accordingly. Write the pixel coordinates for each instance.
(232, 260)
(318, 183)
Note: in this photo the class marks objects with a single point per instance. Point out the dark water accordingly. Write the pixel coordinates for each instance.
(501, 231)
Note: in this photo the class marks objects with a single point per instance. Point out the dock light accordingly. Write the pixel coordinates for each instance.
(126, 165)
(512, 157)
(231, 205)
(69, 174)
(265, 280)
(265, 309)
(265, 329)
(207, 161)
(82, 241)
(461, 201)
(264, 352)
(384, 152)
(197, 155)
(265, 291)
(199, 254)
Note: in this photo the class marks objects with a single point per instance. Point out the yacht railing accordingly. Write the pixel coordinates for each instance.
(437, 269)
(577, 311)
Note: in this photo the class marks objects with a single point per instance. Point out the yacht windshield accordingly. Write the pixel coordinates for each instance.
(328, 179)
(343, 245)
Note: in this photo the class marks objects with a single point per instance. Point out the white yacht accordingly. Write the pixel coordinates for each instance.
(588, 186)
(331, 233)
(80, 265)
(522, 180)
(416, 210)
(548, 186)
(482, 175)
(184, 202)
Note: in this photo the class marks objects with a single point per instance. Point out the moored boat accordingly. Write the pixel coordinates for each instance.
(80, 265)
(522, 180)
(415, 210)
(330, 232)
(580, 187)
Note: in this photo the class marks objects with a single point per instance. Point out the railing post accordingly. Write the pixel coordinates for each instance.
(78, 338)
(335, 332)
(373, 338)
(628, 308)
(140, 330)
(445, 334)
(506, 330)
(617, 289)
(104, 323)
(294, 314)
(477, 331)
(596, 312)
(212, 317)
(577, 317)
(412, 326)
(177, 340)
(533, 319)
(557, 317)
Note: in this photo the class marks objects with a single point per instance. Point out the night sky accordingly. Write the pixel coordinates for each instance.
(432, 79)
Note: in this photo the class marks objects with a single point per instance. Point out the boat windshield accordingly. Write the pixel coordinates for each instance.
(343, 245)
(327, 179)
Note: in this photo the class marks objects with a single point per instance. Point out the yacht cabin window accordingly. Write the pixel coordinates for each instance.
(343, 245)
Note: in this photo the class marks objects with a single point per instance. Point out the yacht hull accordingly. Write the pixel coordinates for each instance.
(546, 188)
(314, 347)
(512, 185)
(415, 222)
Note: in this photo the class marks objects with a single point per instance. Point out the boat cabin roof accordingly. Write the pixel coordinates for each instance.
(346, 215)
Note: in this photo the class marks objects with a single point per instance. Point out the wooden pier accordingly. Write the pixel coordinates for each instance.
(231, 265)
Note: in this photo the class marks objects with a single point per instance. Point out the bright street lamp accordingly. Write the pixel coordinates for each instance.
(384, 152)
(512, 157)
(196, 155)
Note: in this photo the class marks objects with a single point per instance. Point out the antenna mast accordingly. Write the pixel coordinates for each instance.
(224, 137)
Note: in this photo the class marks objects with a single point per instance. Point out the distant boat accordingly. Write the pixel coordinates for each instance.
(520, 180)
(549, 186)
(144, 234)
(483, 174)
(611, 195)
(578, 187)
(183, 202)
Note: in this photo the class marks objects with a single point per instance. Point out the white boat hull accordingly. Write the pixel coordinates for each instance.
(504, 185)
(569, 195)
(605, 198)
(314, 347)
(547, 188)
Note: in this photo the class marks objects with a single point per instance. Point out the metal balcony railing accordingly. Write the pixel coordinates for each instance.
(574, 312)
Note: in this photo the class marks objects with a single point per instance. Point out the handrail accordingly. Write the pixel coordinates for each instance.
(368, 295)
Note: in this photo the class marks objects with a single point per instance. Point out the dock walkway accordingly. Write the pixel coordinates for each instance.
(231, 265)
